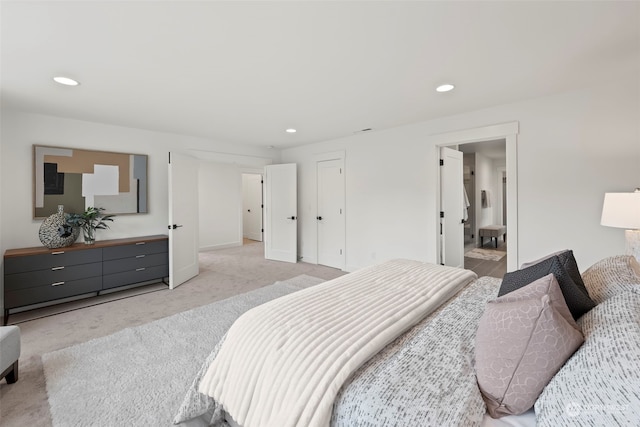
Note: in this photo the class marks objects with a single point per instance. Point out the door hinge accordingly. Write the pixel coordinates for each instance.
(441, 162)
(261, 181)
(340, 171)
(473, 173)
(262, 230)
(441, 214)
(262, 206)
(340, 251)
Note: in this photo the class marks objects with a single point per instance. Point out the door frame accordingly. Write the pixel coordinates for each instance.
(509, 131)
(323, 157)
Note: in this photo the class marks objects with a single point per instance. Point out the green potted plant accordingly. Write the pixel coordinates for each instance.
(89, 221)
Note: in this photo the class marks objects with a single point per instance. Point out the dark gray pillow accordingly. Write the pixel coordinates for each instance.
(576, 296)
(569, 263)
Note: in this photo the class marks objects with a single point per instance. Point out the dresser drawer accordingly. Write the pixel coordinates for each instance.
(22, 297)
(133, 263)
(140, 248)
(38, 278)
(141, 274)
(57, 258)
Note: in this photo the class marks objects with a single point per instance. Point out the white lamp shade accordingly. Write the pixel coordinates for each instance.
(621, 210)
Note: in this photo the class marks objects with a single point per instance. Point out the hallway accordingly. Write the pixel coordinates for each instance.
(486, 267)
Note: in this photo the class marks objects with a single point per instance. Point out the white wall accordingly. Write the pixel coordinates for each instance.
(220, 189)
(500, 170)
(485, 180)
(572, 148)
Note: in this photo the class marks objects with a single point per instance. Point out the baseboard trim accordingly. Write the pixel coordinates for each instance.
(220, 246)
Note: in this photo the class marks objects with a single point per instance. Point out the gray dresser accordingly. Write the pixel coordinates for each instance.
(38, 275)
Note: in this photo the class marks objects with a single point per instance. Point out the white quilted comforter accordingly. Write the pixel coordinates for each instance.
(284, 362)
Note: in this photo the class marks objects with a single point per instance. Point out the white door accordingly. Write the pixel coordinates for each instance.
(281, 212)
(451, 207)
(183, 219)
(252, 206)
(330, 218)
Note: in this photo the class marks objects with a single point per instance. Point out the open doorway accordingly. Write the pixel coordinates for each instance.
(252, 208)
(485, 244)
(507, 132)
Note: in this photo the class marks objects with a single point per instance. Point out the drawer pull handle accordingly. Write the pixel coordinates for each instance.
(57, 268)
(57, 253)
(57, 284)
(140, 269)
(140, 243)
(140, 256)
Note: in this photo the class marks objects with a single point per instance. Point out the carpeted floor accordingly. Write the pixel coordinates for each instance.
(138, 377)
(223, 273)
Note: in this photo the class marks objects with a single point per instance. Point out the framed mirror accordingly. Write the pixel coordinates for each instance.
(79, 179)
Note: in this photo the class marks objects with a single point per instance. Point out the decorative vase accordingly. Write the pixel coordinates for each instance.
(55, 233)
(89, 235)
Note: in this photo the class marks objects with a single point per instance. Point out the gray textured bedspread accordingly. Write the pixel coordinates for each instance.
(423, 378)
(426, 377)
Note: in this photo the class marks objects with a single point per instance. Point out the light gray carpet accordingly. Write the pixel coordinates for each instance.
(138, 376)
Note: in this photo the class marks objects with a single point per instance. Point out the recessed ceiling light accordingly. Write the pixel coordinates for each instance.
(291, 130)
(66, 81)
(445, 88)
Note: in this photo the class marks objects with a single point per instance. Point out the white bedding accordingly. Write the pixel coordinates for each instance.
(528, 419)
(283, 363)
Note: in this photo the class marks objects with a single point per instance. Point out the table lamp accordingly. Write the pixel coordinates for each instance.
(622, 210)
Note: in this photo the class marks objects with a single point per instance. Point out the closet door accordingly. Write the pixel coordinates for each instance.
(330, 215)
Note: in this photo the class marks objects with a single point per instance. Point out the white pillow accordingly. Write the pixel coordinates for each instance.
(599, 385)
(611, 276)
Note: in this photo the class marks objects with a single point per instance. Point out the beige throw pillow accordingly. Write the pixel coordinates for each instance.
(523, 339)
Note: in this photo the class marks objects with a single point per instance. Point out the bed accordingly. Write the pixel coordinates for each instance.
(421, 368)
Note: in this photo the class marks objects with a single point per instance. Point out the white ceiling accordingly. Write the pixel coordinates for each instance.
(243, 72)
(494, 149)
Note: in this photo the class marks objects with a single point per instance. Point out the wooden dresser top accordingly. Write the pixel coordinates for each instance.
(39, 250)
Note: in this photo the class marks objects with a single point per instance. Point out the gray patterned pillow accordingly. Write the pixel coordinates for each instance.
(611, 276)
(600, 384)
(575, 294)
(523, 339)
